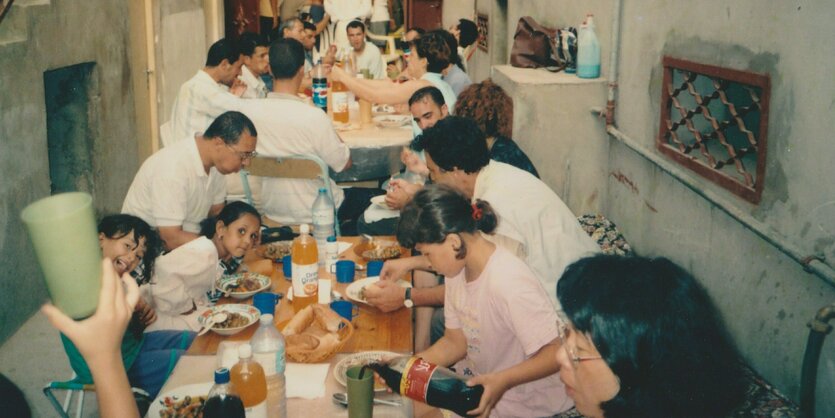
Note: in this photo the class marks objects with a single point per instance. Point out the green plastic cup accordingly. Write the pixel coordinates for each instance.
(63, 232)
(360, 392)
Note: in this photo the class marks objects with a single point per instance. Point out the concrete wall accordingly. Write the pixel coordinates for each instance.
(458, 9)
(766, 298)
(35, 37)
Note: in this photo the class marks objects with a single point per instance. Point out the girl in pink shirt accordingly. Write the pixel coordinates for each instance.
(499, 320)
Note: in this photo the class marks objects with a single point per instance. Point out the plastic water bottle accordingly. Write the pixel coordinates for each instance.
(268, 350)
(323, 221)
(588, 50)
(223, 401)
(248, 379)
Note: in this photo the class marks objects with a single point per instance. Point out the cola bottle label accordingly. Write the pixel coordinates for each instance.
(415, 381)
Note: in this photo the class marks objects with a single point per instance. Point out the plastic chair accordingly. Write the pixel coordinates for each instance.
(74, 387)
(292, 167)
(391, 54)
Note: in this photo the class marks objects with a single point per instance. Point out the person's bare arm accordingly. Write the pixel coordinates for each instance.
(174, 236)
(448, 350)
(276, 12)
(323, 24)
(382, 91)
(214, 210)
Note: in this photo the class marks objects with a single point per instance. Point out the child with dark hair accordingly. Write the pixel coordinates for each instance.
(643, 339)
(185, 276)
(499, 319)
(131, 245)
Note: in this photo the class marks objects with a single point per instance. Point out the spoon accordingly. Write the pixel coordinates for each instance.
(214, 319)
(342, 399)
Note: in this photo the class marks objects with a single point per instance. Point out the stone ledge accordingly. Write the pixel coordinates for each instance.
(540, 76)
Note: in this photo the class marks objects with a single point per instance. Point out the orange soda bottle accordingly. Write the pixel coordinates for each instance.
(249, 381)
(305, 258)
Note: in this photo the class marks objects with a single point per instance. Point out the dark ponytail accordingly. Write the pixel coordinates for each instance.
(439, 210)
(230, 213)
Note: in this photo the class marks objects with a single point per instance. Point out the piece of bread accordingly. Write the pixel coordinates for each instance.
(327, 343)
(302, 342)
(326, 318)
(300, 321)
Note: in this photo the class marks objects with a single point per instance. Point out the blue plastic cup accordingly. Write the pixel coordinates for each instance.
(265, 302)
(287, 267)
(345, 309)
(373, 268)
(345, 271)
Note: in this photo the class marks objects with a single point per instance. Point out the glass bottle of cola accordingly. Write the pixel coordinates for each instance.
(425, 382)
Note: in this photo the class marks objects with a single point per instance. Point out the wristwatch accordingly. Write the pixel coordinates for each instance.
(407, 301)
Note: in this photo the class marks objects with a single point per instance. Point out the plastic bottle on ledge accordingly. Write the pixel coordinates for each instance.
(268, 348)
(223, 401)
(248, 380)
(588, 50)
(305, 257)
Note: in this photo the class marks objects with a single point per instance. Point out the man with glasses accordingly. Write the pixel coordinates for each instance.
(182, 184)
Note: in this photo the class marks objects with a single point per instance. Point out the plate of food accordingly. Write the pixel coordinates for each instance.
(383, 108)
(360, 359)
(356, 290)
(184, 401)
(243, 285)
(380, 201)
(392, 121)
(238, 317)
(275, 250)
(378, 250)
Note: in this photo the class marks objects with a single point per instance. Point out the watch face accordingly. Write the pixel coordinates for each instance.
(408, 303)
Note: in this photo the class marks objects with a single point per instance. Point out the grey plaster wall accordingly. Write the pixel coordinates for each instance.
(766, 298)
(44, 36)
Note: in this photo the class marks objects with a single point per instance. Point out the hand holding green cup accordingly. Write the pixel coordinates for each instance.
(63, 233)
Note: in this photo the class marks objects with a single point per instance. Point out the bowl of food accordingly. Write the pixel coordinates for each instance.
(275, 250)
(238, 317)
(243, 285)
(184, 401)
(378, 250)
(356, 290)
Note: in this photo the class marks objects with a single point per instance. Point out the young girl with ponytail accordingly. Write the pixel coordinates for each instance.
(183, 277)
(498, 317)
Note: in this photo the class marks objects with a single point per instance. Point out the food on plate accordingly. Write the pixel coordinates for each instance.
(188, 407)
(233, 320)
(246, 283)
(275, 250)
(382, 252)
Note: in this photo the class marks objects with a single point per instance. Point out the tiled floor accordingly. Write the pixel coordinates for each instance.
(34, 356)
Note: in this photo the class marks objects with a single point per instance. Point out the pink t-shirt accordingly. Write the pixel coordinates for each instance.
(507, 317)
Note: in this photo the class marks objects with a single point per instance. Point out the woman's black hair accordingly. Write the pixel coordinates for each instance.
(658, 331)
(439, 210)
(120, 225)
(230, 213)
(434, 48)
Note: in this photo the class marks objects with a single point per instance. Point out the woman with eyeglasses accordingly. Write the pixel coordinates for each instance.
(642, 339)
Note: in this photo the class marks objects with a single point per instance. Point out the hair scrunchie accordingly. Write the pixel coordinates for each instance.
(477, 212)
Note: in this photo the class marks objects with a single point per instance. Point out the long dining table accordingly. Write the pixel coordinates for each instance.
(373, 330)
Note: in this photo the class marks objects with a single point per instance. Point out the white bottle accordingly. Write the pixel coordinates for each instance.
(588, 50)
(323, 222)
(268, 349)
(331, 253)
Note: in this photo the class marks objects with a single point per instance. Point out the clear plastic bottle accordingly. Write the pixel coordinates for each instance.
(249, 381)
(305, 257)
(331, 253)
(323, 221)
(223, 401)
(268, 349)
(588, 50)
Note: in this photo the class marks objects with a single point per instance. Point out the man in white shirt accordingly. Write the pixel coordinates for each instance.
(289, 126)
(343, 11)
(256, 62)
(182, 184)
(367, 54)
(534, 222)
(212, 91)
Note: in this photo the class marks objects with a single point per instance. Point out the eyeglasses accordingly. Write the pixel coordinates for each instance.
(244, 155)
(562, 333)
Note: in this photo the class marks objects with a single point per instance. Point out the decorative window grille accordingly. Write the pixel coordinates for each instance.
(714, 121)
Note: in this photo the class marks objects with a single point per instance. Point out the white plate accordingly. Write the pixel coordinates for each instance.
(380, 201)
(249, 311)
(197, 389)
(392, 121)
(231, 278)
(360, 358)
(353, 289)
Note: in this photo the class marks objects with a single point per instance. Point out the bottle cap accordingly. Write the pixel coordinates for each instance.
(222, 375)
(266, 319)
(244, 351)
(323, 190)
(304, 228)
(332, 238)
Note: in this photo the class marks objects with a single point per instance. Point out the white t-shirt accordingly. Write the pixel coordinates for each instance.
(342, 12)
(180, 282)
(255, 87)
(200, 100)
(372, 60)
(172, 188)
(532, 214)
(506, 318)
(287, 126)
(380, 11)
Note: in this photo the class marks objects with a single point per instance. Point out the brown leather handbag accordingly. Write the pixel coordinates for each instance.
(534, 46)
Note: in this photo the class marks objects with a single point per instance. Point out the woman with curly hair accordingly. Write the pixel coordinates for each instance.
(492, 109)
(642, 339)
